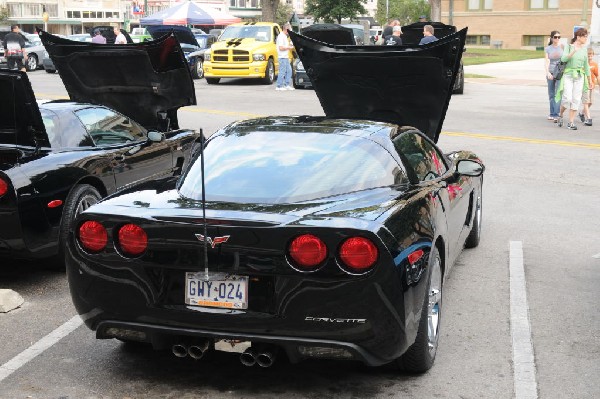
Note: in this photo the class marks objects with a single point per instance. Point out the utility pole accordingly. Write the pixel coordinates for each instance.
(451, 12)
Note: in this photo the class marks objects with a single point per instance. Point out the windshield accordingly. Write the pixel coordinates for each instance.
(286, 167)
(260, 33)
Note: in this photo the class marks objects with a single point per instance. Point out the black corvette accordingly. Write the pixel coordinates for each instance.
(120, 127)
(313, 237)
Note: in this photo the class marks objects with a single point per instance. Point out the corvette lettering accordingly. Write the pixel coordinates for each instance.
(334, 320)
(213, 242)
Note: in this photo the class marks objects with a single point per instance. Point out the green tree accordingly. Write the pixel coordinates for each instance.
(405, 11)
(334, 10)
(284, 13)
(4, 14)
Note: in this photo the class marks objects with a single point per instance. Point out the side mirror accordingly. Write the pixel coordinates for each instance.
(155, 136)
(468, 167)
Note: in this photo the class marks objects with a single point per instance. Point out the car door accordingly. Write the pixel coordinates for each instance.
(430, 167)
(134, 157)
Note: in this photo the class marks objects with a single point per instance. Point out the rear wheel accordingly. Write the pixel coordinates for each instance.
(82, 196)
(32, 62)
(475, 234)
(212, 81)
(50, 70)
(420, 355)
(199, 69)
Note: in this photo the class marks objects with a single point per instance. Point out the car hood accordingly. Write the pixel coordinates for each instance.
(21, 122)
(404, 85)
(147, 81)
(183, 33)
(249, 44)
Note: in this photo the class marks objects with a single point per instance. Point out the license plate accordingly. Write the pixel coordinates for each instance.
(221, 290)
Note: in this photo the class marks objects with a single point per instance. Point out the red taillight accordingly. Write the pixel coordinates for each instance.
(307, 251)
(3, 187)
(93, 236)
(358, 254)
(415, 256)
(132, 239)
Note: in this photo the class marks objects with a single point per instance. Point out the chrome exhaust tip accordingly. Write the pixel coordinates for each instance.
(197, 350)
(179, 350)
(266, 358)
(248, 357)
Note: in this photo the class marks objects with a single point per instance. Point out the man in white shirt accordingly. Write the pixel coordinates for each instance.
(285, 68)
(120, 37)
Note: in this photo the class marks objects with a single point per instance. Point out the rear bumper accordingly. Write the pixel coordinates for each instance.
(296, 348)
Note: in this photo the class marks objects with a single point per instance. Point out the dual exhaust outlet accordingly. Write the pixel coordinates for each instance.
(263, 355)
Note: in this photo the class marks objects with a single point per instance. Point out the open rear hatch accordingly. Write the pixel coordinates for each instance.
(404, 85)
(147, 81)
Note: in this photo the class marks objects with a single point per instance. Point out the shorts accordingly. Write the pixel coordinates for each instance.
(15, 63)
(586, 98)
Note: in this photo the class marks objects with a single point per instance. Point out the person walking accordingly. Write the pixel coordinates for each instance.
(14, 49)
(552, 54)
(98, 38)
(119, 36)
(283, 53)
(428, 36)
(395, 39)
(586, 99)
(576, 77)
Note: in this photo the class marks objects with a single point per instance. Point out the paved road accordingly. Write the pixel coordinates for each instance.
(541, 189)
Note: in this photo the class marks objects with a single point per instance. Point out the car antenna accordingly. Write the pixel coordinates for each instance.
(202, 143)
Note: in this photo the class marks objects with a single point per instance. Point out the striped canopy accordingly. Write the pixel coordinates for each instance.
(189, 13)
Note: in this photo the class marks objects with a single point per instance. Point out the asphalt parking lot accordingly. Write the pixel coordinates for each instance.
(532, 281)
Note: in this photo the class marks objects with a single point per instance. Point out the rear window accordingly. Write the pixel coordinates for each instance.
(279, 167)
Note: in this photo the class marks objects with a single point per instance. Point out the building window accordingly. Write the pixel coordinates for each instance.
(74, 14)
(475, 5)
(32, 10)
(543, 4)
(233, 3)
(254, 4)
(15, 10)
(112, 14)
(537, 41)
(478, 40)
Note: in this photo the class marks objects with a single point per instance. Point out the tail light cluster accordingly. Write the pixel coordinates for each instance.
(131, 239)
(355, 255)
(3, 187)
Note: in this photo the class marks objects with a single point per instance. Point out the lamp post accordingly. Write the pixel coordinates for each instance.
(45, 17)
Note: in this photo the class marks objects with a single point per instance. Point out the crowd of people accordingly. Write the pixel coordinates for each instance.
(572, 88)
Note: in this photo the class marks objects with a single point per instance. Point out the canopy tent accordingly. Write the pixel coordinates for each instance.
(189, 13)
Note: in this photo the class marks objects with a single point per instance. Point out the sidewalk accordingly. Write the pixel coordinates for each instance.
(527, 72)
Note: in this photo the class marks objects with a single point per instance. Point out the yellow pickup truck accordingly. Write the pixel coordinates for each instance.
(244, 50)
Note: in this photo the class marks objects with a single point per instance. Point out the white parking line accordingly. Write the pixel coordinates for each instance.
(39, 347)
(520, 329)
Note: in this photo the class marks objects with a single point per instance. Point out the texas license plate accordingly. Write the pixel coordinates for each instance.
(220, 290)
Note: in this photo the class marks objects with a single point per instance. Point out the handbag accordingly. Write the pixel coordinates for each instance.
(559, 69)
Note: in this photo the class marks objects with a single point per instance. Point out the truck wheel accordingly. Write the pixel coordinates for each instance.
(269, 73)
(212, 81)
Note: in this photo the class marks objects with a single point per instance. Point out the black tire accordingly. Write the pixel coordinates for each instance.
(461, 82)
(269, 73)
(32, 62)
(475, 234)
(198, 72)
(421, 354)
(82, 196)
(50, 70)
(212, 81)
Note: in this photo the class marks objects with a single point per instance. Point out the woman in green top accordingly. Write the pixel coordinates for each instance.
(575, 78)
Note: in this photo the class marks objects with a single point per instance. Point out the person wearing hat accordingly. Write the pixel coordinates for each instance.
(395, 39)
(423, 18)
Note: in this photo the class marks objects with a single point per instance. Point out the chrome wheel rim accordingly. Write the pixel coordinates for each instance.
(32, 63)
(85, 202)
(435, 305)
(271, 72)
(200, 69)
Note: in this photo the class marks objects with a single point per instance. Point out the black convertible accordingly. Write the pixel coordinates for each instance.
(313, 237)
(120, 127)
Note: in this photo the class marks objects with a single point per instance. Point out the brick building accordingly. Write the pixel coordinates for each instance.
(515, 24)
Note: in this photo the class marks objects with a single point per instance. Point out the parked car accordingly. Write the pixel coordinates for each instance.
(359, 33)
(193, 52)
(413, 33)
(59, 157)
(140, 35)
(204, 42)
(375, 35)
(309, 236)
(35, 51)
(47, 61)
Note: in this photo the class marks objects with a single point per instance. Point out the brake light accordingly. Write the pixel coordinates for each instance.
(3, 187)
(133, 239)
(307, 251)
(358, 254)
(93, 236)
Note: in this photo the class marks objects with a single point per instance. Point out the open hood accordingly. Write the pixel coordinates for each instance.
(20, 122)
(404, 85)
(183, 33)
(147, 81)
(329, 33)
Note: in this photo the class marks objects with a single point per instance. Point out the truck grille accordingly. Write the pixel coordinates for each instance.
(231, 55)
